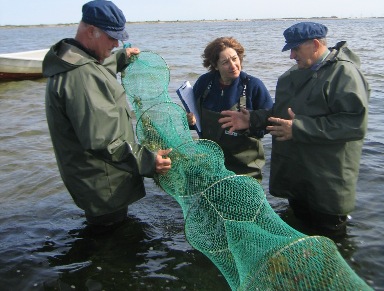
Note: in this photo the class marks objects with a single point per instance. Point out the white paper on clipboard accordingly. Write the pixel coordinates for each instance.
(185, 93)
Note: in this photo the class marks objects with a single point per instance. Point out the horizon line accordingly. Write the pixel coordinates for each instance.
(201, 20)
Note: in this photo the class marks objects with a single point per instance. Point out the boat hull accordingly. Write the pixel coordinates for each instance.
(22, 66)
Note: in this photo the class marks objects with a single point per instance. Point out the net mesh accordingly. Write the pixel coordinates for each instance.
(227, 216)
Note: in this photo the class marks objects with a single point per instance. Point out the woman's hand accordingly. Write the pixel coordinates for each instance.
(191, 119)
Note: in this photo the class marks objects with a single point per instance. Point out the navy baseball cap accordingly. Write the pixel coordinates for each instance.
(106, 16)
(301, 32)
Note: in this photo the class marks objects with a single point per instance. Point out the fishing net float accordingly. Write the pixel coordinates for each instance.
(227, 216)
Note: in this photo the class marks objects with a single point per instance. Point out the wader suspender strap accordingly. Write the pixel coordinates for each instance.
(239, 105)
(208, 89)
(205, 94)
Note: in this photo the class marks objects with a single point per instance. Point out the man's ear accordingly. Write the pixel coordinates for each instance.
(317, 44)
(93, 32)
(96, 33)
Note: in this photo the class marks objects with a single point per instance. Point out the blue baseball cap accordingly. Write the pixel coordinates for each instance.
(106, 16)
(301, 32)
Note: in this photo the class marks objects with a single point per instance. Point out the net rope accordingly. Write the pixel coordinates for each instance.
(227, 216)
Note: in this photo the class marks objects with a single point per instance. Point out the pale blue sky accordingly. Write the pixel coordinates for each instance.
(28, 12)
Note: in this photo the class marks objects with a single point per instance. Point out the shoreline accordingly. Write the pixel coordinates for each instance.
(202, 20)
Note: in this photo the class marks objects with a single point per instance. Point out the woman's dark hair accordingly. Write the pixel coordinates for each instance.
(213, 49)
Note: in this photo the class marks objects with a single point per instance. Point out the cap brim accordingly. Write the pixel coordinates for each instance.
(292, 45)
(119, 35)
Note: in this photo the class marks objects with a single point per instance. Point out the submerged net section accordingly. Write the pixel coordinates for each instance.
(227, 216)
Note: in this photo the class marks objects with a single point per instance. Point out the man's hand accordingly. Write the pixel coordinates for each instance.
(163, 163)
(132, 51)
(281, 128)
(235, 120)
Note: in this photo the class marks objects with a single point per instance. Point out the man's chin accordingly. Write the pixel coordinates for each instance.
(105, 56)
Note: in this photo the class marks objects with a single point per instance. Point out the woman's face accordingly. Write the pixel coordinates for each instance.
(228, 65)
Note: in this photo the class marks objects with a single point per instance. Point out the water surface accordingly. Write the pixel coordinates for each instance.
(44, 242)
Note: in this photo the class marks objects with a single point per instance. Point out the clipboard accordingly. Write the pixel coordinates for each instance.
(185, 93)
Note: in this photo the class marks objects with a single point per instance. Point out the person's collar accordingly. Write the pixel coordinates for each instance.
(320, 60)
(77, 44)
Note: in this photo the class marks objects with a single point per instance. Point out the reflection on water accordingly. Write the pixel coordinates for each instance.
(44, 243)
(54, 250)
(130, 256)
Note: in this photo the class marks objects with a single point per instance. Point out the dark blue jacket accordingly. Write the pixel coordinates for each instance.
(257, 95)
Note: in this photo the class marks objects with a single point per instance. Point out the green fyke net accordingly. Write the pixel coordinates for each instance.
(227, 216)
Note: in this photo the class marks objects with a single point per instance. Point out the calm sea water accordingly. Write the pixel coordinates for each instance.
(44, 244)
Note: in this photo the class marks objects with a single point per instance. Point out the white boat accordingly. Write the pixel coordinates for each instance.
(22, 65)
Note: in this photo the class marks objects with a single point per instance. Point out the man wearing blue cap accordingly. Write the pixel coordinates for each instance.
(318, 123)
(91, 130)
